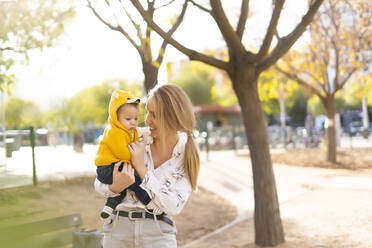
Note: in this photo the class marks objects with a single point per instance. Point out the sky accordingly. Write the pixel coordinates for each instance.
(89, 52)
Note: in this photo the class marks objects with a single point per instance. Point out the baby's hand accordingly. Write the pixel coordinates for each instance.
(145, 138)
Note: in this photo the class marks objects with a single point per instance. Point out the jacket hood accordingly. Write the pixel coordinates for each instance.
(119, 98)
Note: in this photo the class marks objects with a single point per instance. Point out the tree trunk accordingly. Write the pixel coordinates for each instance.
(268, 225)
(151, 75)
(331, 130)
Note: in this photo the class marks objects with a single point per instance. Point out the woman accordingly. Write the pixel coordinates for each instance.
(168, 167)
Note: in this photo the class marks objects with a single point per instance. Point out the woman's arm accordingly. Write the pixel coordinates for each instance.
(122, 179)
(103, 189)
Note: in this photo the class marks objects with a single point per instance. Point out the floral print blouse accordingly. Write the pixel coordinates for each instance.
(167, 185)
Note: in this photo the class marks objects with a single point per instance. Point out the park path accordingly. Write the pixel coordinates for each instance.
(52, 163)
(230, 177)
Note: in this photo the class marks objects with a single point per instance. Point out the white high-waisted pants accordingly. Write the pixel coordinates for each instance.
(139, 233)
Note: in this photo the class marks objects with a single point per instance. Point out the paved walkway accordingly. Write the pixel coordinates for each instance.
(231, 177)
(51, 164)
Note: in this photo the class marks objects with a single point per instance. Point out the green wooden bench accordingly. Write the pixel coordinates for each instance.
(50, 233)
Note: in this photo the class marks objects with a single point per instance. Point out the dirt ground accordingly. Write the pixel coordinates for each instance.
(360, 158)
(351, 159)
(26, 204)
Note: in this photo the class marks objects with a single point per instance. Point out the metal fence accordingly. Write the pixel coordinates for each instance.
(225, 138)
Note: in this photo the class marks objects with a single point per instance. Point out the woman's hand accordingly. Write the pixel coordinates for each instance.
(137, 151)
(122, 179)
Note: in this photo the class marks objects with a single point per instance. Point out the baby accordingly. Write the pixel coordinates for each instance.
(122, 130)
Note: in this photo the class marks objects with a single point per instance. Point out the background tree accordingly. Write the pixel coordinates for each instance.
(244, 67)
(340, 46)
(22, 113)
(269, 87)
(360, 93)
(316, 107)
(197, 81)
(26, 25)
(138, 35)
(93, 102)
(64, 115)
(89, 106)
(203, 83)
(357, 88)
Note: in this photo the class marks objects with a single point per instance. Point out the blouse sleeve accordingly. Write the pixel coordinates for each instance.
(103, 189)
(171, 196)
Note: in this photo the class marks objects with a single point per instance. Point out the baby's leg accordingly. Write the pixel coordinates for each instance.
(111, 204)
(140, 193)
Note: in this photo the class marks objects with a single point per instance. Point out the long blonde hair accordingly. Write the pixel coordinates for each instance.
(174, 111)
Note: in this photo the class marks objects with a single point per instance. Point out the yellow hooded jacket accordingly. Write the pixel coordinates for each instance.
(113, 146)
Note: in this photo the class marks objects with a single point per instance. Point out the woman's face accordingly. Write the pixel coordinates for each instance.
(150, 118)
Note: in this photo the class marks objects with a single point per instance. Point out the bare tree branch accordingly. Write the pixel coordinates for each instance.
(192, 54)
(118, 28)
(171, 31)
(100, 18)
(243, 18)
(135, 25)
(343, 82)
(324, 74)
(271, 30)
(232, 39)
(277, 35)
(13, 49)
(201, 7)
(316, 80)
(326, 86)
(6, 49)
(285, 43)
(146, 43)
(333, 18)
(301, 82)
(337, 63)
(164, 5)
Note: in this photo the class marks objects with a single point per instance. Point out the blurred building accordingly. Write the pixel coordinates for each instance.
(220, 116)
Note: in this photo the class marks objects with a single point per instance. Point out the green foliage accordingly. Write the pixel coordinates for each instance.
(89, 106)
(22, 113)
(340, 102)
(270, 83)
(356, 88)
(196, 80)
(223, 94)
(64, 115)
(296, 106)
(26, 25)
(205, 85)
(315, 106)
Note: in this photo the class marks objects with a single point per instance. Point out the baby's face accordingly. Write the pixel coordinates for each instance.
(128, 116)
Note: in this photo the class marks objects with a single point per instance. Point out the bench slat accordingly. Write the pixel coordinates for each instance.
(36, 228)
(49, 240)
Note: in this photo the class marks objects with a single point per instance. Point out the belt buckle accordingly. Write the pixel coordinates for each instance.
(130, 216)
